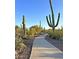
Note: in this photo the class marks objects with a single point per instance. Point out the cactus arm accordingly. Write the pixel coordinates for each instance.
(48, 21)
(57, 19)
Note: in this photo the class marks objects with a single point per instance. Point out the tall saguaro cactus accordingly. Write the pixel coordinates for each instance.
(51, 21)
(24, 29)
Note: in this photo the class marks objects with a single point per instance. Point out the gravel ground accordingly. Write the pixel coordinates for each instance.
(27, 51)
(57, 43)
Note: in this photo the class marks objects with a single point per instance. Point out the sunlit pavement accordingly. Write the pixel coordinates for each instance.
(42, 49)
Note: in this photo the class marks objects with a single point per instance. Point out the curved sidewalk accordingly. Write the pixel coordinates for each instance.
(42, 49)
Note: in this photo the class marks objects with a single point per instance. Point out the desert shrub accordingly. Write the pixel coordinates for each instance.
(19, 44)
(34, 30)
(57, 34)
(16, 29)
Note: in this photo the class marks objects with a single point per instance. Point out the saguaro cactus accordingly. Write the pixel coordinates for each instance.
(44, 29)
(50, 22)
(24, 29)
(40, 24)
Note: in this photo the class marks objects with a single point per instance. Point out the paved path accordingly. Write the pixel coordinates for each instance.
(42, 49)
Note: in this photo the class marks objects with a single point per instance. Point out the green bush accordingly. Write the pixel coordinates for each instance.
(34, 30)
(57, 34)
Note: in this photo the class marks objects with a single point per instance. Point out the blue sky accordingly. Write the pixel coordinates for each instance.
(36, 11)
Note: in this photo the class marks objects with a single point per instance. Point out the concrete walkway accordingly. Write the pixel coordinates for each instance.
(42, 49)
